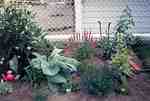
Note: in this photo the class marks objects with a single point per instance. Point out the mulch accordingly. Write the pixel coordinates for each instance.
(139, 91)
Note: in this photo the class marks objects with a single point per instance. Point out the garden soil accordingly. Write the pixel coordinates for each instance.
(139, 91)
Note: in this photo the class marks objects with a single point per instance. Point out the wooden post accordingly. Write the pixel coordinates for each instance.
(78, 16)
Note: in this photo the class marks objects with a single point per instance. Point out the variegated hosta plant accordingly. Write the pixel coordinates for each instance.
(56, 67)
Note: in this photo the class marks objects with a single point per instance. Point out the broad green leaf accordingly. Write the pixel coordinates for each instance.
(67, 66)
(41, 57)
(13, 64)
(57, 79)
(68, 63)
(35, 63)
(50, 70)
(39, 62)
(56, 51)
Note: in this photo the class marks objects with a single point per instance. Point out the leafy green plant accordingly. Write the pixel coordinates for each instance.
(120, 62)
(43, 47)
(120, 59)
(86, 67)
(125, 25)
(107, 45)
(56, 67)
(102, 79)
(18, 31)
(84, 52)
(97, 81)
(5, 88)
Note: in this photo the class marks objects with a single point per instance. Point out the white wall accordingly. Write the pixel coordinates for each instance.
(110, 11)
(78, 16)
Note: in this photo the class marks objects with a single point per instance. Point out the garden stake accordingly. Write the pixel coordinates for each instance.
(108, 29)
(100, 29)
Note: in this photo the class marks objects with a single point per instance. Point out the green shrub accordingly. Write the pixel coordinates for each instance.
(98, 81)
(86, 67)
(107, 45)
(5, 88)
(84, 52)
(18, 31)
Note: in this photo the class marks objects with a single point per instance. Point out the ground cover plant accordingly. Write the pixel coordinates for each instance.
(5, 88)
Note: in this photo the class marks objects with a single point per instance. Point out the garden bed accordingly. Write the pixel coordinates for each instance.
(34, 69)
(139, 91)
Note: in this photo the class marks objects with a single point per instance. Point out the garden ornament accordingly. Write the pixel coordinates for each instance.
(8, 76)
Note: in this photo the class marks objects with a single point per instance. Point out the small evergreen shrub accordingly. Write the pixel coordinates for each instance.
(85, 51)
(97, 81)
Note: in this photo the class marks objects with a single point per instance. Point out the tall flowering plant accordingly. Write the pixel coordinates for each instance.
(79, 37)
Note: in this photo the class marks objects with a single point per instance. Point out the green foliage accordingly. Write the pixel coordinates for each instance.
(40, 98)
(120, 59)
(13, 64)
(18, 31)
(123, 88)
(107, 45)
(5, 88)
(120, 42)
(84, 52)
(59, 44)
(56, 67)
(125, 26)
(86, 68)
(43, 47)
(70, 86)
(120, 62)
(98, 81)
(35, 76)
